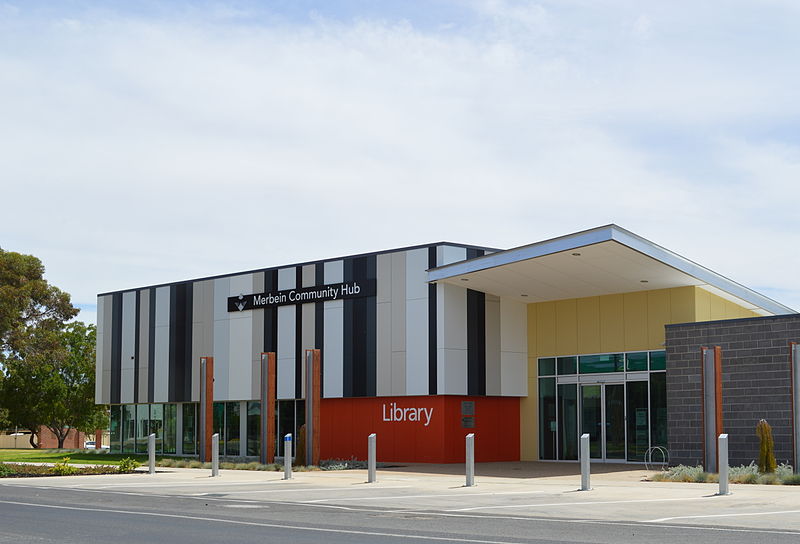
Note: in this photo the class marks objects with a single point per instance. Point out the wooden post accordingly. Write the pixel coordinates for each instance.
(206, 419)
(313, 400)
(268, 398)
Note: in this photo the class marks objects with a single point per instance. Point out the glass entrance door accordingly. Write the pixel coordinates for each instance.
(603, 417)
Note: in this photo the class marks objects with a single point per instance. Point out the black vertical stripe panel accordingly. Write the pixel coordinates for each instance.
(348, 333)
(476, 337)
(476, 342)
(180, 342)
(151, 349)
(116, 347)
(271, 313)
(319, 323)
(136, 350)
(371, 330)
(298, 339)
(432, 371)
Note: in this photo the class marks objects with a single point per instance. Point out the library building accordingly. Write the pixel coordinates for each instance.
(599, 332)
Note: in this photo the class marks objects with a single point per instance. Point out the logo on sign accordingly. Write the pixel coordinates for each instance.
(393, 412)
(305, 295)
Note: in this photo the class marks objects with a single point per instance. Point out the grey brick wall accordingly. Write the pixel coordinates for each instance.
(756, 384)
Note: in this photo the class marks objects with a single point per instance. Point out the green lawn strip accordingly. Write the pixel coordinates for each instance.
(79, 457)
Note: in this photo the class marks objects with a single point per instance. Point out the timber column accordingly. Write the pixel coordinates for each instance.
(269, 386)
(313, 396)
(206, 419)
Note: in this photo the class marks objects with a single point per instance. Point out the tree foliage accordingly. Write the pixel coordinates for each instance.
(46, 364)
(766, 453)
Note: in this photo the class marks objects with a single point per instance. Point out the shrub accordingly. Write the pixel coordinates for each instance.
(766, 451)
(182, 463)
(744, 478)
(6, 470)
(128, 465)
(791, 479)
(768, 479)
(228, 466)
(167, 462)
(195, 464)
(63, 468)
(682, 473)
(783, 470)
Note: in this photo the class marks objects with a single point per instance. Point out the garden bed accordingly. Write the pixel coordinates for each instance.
(744, 474)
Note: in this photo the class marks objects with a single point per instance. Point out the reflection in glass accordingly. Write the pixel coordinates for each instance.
(254, 428)
(157, 425)
(658, 360)
(636, 361)
(116, 429)
(658, 408)
(231, 429)
(638, 432)
(615, 421)
(189, 426)
(591, 418)
(129, 428)
(285, 424)
(547, 366)
(547, 418)
(566, 365)
(170, 430)
(142, 427)
(218, 424)
(568, 421)
(610, 362)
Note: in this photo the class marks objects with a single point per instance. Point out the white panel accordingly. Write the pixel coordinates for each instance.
(399, 306)
(450, 254)
(144, 344)
(309, 338)
(240, 342)
(513, 374)
(286, 350)
(333, 348)
(100, 362)
(513, 326)
(222, 334)
(309, 275)
(451, 339)
(398, 373)
(383, 266)
(417, 347)
(287, 278)
(334, 272)
(128, 335)
(161, 363)
(452, 372)
(493, 386)
(416, 275)
(383, 370)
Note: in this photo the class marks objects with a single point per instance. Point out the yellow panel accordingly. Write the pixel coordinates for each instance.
(702, 304)
(635, 309)
(532, 329)
(658, 314)
(682, 305)
(566, 327)
(589, 325)
(717, 308)
(612, 329)
(545, 329)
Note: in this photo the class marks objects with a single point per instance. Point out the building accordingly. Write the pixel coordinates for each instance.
(527, 348)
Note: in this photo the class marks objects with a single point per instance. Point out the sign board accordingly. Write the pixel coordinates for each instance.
(304, 295)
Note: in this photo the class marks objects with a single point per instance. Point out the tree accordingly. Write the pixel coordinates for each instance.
(27, 300)
(50, 381)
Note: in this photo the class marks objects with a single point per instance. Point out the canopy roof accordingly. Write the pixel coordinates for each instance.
(601, 261)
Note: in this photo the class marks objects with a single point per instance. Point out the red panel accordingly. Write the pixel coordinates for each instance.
(424, 429)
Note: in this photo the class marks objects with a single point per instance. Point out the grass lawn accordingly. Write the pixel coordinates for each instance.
(75, 456)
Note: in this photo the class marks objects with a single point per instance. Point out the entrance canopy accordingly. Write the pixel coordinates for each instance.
(602, 261)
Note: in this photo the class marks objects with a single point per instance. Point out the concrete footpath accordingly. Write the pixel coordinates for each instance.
(503, 490)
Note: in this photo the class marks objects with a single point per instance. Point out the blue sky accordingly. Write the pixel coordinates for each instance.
(156, 141)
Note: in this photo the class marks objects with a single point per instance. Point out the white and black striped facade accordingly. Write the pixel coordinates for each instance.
(406, 337)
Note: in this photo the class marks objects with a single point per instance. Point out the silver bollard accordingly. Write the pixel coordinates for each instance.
(371, 457)
(287, 457)
(585, 466)
(151, 453)
(722, 451)
(470, 459)
(215, 454)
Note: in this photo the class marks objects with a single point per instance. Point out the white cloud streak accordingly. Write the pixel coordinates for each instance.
(146, 149)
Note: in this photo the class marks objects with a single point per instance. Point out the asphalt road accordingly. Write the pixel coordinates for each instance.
(43, 514)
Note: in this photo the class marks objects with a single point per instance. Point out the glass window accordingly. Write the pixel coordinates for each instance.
(232, 429)
(254, 428)
(658, 409)
(285, 424)
(142, 427)
(170, 427)
(638, 428)
(218, 425)
(566, 365)
(188, 431)
(128, 428)
(547, 418)
(593, 364)
(592, 418)
(568, 421)
(658, 360)
(116, 429)
(636, 361)
(157, 426)
(547, 367)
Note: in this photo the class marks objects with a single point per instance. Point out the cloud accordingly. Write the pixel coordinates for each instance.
(149, 147)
